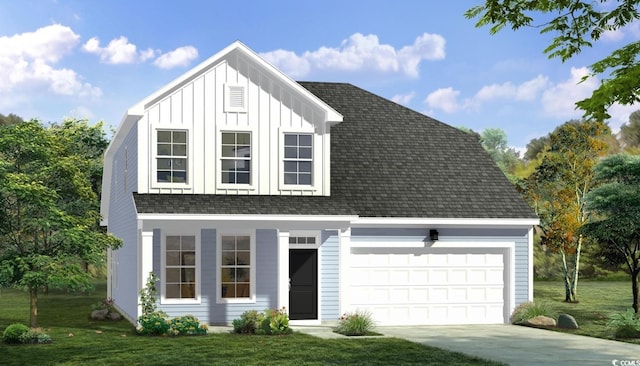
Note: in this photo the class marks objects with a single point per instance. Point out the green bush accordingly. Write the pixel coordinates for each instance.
(248, 322)
(153, 324)
(626, 325)
(357, 323)
(275, 321)
(186, 325)
(35, 335)
(528, 310)
(13, 332)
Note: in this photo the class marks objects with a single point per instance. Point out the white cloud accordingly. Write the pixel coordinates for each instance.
(445, 99)
(361, 52)
(27, 62)
(181, 56)
(612, 36)
(559, 100)
(118, 51)
(404, 98)
(527, 91)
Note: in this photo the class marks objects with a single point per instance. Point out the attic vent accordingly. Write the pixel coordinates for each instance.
(235, 98)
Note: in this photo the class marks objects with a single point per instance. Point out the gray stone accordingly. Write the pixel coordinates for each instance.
(541, 321)
(115, 316)
(566, 321)
(99, 314)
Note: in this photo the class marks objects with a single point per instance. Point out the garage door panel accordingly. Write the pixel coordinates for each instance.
(428, 288)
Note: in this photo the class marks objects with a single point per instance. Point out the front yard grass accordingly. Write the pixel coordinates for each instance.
(80, 341)
(597, 301)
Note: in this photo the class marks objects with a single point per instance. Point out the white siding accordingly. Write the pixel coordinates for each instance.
(272, 109)
(329, 278)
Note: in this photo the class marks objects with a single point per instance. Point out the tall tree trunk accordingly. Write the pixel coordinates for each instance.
(576, 268)
(33, 307)
(566, 279)
(634, 288)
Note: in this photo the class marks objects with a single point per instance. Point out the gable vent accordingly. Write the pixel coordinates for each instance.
(236, 98)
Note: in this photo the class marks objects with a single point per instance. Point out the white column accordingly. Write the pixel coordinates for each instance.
(345, 278)
(146, 261)
(283, 269)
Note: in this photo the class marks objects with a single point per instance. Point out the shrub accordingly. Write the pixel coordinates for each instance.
(36, 335)
(13, 332)
(528, 310)
(275, 321)
(357, 323)
(627, 325)
(248, 322)
(104, 304)
(153, 323)
(186, 325)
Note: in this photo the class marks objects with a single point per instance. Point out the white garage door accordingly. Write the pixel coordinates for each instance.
(418, 286)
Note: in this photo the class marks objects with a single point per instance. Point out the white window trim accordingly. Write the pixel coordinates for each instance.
(154, 157)
(163, 299)
(305, 233)
(252, 270)
(315, 173)
(227, 98)
(218, 164)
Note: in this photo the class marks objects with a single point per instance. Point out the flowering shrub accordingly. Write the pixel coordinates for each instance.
(186, 325)
(35, 335)
(271, 321)
(276, 321)
(153, 324)
(357, 323)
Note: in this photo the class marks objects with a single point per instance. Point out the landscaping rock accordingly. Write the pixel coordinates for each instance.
(99, 314)
(541, 321)
(566, 321)
(115, 316)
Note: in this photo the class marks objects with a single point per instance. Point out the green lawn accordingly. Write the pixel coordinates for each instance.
(597, 300)
(80, 341)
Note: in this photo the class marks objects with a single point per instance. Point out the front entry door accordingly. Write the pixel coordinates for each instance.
(303, 290)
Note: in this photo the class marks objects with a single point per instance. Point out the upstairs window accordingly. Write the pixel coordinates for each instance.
(171, 156)
(298, 159)
(236, 158)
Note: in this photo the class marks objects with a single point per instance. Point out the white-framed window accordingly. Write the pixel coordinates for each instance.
(298, 159)
(236, 267)
(181, 268)
(304, 239)
(235, 157)
(172, 156)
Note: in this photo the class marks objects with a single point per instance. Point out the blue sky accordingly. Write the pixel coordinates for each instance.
(94, 59)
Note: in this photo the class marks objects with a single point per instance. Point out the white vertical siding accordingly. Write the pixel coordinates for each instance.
(272, 109)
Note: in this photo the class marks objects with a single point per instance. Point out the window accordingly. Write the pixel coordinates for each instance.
(180, 267)
(171, 156)
(298, 159)
(235, 267)
(311, 240)
(236, 158)
(303, 239)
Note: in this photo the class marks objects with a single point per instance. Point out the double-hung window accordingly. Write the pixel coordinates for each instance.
(236, 157)
(172, 156)
(180, 267)
(298, 158)
(235, 267)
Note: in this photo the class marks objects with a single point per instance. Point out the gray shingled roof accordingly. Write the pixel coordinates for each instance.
(386, 161)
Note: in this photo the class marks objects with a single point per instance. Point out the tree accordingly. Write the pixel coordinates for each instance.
(615, 221)
(630, 132)
(574, 25)
(557, 190)
(494, 141)
(10, 119)
(48, 212)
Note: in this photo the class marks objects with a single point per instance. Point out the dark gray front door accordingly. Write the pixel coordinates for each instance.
(303, 292)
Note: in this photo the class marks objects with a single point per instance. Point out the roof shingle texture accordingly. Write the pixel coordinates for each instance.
(386, 161)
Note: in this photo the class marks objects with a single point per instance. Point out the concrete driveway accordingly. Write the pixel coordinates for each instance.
(517, 345)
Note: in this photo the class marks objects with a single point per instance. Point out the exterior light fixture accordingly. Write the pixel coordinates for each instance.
(433, 234)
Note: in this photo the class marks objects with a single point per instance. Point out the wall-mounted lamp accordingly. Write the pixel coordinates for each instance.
(433, 234)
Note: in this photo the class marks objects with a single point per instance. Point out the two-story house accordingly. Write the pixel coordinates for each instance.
(242, 189)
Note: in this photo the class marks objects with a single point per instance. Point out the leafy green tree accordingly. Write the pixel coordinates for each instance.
(10, 119)
(575, 25)
(557, 190)
(615, 221)
(48, 212)
(630, 131)
(494, 141)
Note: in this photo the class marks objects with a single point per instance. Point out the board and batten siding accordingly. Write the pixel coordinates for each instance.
(123, 224)
(198, 107)
(208, 310)
(329, 276)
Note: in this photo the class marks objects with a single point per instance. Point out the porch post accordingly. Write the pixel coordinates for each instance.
(283, 269)
(146, 261)
(345, 280)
